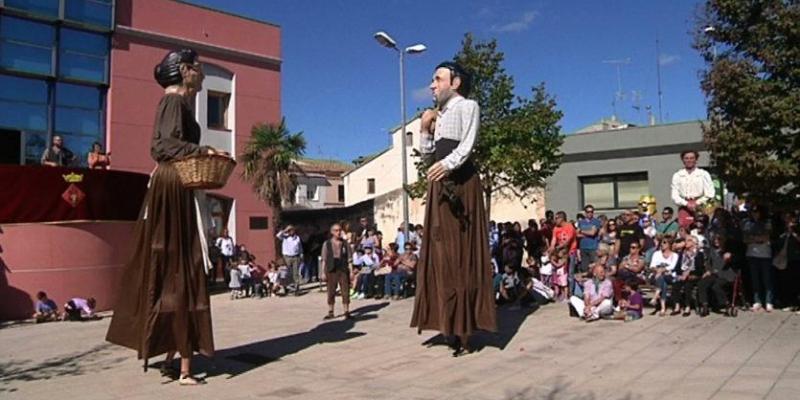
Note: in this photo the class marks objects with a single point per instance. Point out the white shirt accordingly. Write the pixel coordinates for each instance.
(291, 245)
(458, 120)
(659, 260)
(225, 245)
(695, 185)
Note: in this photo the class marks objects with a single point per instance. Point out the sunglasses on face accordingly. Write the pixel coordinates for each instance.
(634, 246)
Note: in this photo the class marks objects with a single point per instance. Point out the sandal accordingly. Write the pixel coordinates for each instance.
(188, 380)
(329, 316)
(347, 316)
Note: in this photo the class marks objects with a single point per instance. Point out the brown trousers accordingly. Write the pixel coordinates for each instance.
(342, 278)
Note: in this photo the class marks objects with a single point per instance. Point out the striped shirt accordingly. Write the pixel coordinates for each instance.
(458, 120)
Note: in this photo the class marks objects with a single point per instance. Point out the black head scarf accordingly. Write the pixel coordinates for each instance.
(168, 71)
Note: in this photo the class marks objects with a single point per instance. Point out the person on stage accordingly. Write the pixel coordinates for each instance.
(454, 276)
(163, 305)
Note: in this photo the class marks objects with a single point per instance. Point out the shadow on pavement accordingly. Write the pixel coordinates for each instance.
(241, 359)
(508, 324)
(81, 363)
(561, 390)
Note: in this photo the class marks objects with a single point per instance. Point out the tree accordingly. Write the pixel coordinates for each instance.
(269, 158)
(519, 141)
(752, 83)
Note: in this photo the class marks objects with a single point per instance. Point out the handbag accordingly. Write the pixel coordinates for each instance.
(781, 259)
(385, 270)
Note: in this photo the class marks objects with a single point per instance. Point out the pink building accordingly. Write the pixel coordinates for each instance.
(241, 57)
(242, 64)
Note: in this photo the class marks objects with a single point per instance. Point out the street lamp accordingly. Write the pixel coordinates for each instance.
(708, 31)
(385, 40)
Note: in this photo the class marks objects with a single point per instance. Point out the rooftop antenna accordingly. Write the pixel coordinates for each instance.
(619, 96)
(636, 97)
(658, 76)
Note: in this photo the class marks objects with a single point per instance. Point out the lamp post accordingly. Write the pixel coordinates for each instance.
(385, 40)
(709, 30)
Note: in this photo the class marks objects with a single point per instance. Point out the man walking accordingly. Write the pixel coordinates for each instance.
(292, 250)
(335, 263)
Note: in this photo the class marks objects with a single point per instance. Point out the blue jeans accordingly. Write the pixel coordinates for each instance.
(364, 284)
(761, 275)
(662, 282)
(392, 279)
(573, 261)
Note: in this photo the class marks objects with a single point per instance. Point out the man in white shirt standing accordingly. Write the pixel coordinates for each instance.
(691, 188)
(292, 251)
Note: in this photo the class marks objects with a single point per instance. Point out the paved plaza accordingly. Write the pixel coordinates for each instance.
(281, 348)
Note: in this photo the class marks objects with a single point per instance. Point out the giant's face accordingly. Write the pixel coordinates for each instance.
(689, 160)
(193, 76)
(441, 85)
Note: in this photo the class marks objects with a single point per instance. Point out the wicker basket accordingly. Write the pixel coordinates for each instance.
(206, 171)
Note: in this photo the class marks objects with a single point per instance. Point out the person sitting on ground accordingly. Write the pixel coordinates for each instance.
(631, 305)
(597, 293)
(46, 309)
(271, 285)
(509, 285)
(79, 309)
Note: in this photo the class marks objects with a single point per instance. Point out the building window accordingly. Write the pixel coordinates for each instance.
(409, 139)
(92, 13)
(23, 103)
(46, 8)
(26, 46)
(79, 117)
(341, 193)
(259, 223)
(312, 192)
(83, 56)
(218, 110)
(371, 186)
(614, 191)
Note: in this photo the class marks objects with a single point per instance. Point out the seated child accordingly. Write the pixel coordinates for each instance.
(46, 309)
(79, 309)
(270, 280)
(630, 307)
(509, 286)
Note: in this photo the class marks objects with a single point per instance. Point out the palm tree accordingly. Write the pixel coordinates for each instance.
(268, 159)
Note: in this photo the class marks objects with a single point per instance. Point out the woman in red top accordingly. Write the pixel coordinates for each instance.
(97, 159)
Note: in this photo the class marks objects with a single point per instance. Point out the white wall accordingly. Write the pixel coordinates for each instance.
(217, 80)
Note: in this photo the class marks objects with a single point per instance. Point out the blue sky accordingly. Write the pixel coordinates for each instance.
(342, 89)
